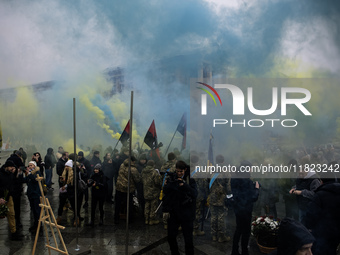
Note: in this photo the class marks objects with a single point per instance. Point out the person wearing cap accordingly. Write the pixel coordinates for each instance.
(168, 167)
(293, 239)
(33, 192)
(98, 183)
(180, 202)
(152, 183)
(6, 189)
(88, 170)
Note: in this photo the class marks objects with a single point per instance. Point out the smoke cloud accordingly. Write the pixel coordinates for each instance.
(160, 45)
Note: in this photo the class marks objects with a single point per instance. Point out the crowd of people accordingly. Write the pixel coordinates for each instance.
(167, 192)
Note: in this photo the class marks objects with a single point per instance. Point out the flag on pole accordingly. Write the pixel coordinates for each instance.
(182, 129)
(210, 151)
(211, 159)
(125, 136)
(151, 139)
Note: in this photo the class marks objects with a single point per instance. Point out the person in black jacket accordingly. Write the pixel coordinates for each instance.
(88, 171)
(98, 183)
(33, 192)
(40, 163)
(50, 162)
(61, 165)
(293, 239)
(6, 191)
(179, 200)
(323, 216)
(108, 172)
(245, 193)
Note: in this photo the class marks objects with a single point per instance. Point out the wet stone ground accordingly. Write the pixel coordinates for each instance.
(110, 238)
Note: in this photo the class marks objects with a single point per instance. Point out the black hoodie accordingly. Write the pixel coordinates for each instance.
(323, 218)
(292, 236)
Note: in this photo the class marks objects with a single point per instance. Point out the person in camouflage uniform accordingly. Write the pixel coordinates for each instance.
(122, 186)
(169, 166)
(152, 183)
(218, 192)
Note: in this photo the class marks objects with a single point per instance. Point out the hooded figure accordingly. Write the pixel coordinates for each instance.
(50, 162)
(323, 217)
(293, 238)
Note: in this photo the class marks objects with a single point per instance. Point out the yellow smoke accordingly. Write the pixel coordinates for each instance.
(99, 115)
(68, 146)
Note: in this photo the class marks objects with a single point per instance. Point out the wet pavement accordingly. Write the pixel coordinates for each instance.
(110, 238)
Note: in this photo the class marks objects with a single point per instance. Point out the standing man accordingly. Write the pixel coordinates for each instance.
(87, 165)
(323, 214)
(123, 185)
(61, 165)
(94, 161)
(245, 194)
(180, 201)
(50, 162)
(60, 152)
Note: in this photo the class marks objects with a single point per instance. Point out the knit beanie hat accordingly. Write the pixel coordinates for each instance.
(33, 162)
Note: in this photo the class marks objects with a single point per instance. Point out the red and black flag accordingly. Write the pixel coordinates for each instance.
(151, 137)
(125, 136)
(182, 129)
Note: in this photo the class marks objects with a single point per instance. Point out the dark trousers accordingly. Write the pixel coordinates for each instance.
(62, 202)
(187, 229)
(243, 228)
(35, 208)
(86, 194)
(94, 200)
(120, 199)
(71, 198)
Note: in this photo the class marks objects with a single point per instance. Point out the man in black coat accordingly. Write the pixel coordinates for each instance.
(6, 195)
(88, 170)
(245, 193)
(50, 162)
(180, 194)
(323, 216)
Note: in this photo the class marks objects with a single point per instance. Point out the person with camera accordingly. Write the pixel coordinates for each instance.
(180, 194)
(33, 192)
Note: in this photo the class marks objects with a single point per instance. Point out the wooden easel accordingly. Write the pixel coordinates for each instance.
(46, 214)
